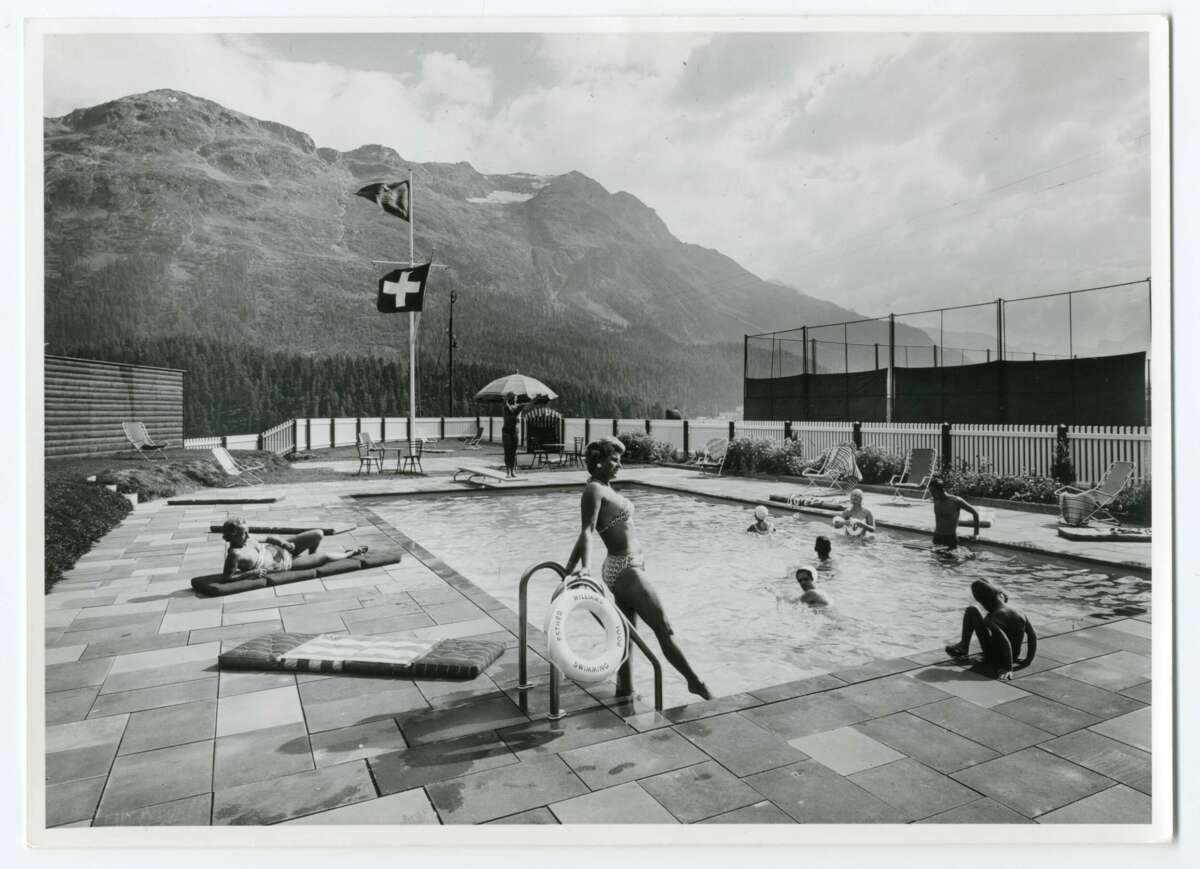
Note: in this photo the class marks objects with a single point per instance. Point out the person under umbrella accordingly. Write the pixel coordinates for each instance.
(512, 414)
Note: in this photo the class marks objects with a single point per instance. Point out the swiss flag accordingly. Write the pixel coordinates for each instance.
(402, 290)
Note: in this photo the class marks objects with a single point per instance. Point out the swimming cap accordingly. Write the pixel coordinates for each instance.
(760, 512)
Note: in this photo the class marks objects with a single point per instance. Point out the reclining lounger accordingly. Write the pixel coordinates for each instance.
(212, 585)
(364, 656)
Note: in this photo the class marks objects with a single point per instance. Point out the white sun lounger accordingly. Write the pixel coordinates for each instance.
(489, 476)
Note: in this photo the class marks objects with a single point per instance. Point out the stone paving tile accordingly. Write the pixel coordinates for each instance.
(697, 792)
(391, 624)
(540, 815)
(541, 736)
(356, 742)
(152, 698)
(63, 654)
(914, 789)
(293, 796)
(60, 618)
(77, 674)
(798, 688)
(84, 624)
(369, 703)
(129, 645)
(1079, 695)
(159, 776)
(571, 698)
(169, 725)
(1131, 626)
(258, 710)
(985, 726)
(931, 745)
(409, 807)
(154, 677)
(1117, 805)
(311, 623)
(453, 612)
(234, 682)
(710, 708)
(1033, 781)
(156, 659)
(764, 812)
(235, 632)
(425, 764)
(377, 613)
(979, 689)
(1140, 693)
(1132, 728)
(804, 716)
(505, 791)
(890, 694)
(814, 794)
(1114, 640)
(73, 705)
(1113, 672)
(981, 811)
(624, 804)
(845, 750)
(188, 812)
(82, 749)
(1046, 714)
(875, 669)
(261, 754)
(102, 635)
(632, 757)
(1074, 646)
(434, 725)
(435, 594)
(73, 800)
(1118, 761)
(739, 744)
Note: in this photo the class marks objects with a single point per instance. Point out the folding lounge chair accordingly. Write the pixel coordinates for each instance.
(239, 472)
(140, 440)
(1078, 506)
(370, 454)
(838, 471)
(714, 456)
(471, 442)
(918, 471)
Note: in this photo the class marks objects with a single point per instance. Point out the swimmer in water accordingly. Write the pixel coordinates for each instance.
(856, 516)
(946, 509)
(822, 547)
(761, 524)
(807, 578)
(1000, 632)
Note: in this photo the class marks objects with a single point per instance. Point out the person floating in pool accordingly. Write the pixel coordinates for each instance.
(823, 548)
(607, 513)
(946, 509)
(1000, 633)
(807, 577)
(247, 557)
(761, 524)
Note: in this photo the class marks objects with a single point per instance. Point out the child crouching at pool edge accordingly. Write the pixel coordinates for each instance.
(1000, 633)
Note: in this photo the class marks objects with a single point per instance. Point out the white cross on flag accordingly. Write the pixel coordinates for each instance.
(402, 290)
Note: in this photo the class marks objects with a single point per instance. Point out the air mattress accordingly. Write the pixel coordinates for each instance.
(212, 585)
(365, 656)
(813, 501)
(1109, 534)
(337, 528)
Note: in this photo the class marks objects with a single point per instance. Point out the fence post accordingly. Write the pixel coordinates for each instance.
(1062, 447)
(408, 428)
(947, 457)
(685, 438)
(357, 428)
(295, 434)
(308, 433)
(891, 369)
(224, 441)
(787, 430)
(856, 434)
(258, 441)
(647, 426)
(491, 436)
(587, 430)
(614, 428)
(442, 429)
(731, 431)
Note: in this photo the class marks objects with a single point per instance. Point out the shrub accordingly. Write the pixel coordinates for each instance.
(164, 479)
(1062, 469)
(641, 447)
(765, 457)
(877, 465)
(1133, 504)
(78, 514)
(1029, 488)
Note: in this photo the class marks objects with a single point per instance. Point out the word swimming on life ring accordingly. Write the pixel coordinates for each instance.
(587, 595)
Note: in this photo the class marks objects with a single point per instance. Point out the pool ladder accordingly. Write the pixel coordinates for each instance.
(523, 683)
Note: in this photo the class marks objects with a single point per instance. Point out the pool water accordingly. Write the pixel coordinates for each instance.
(731, 596)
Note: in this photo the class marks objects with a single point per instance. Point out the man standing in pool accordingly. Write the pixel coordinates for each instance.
(946, 508)
(610, 515)
(1000, 632)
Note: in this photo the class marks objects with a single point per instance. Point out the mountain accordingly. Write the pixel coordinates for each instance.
(170, 217)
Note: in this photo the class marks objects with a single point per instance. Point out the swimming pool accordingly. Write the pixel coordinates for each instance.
(730, 595)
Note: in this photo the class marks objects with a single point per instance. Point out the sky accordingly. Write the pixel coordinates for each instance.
(883, 171)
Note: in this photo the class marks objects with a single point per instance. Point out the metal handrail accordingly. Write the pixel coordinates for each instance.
(523, 683)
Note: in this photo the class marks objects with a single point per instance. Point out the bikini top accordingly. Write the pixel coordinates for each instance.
(624, 514)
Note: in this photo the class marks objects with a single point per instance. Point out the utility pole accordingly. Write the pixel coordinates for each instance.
(450, 379)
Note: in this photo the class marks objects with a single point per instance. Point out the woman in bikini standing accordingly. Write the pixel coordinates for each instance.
(610, 515)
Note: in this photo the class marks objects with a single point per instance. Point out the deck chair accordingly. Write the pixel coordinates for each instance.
(714, 456)
(1078, 506)
(237, 471)
(471, 442)
(918, 471)
(410, 460)
(838, 470)
(370, 454)
(140, 440)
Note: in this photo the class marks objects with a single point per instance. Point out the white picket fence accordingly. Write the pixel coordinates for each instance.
(1012, 449)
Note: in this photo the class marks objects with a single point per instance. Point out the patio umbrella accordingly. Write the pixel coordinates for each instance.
(526, 389)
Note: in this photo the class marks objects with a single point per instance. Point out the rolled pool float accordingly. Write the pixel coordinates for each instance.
(585, 594)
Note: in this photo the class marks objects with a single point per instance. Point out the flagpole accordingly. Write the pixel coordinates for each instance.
(412, 324)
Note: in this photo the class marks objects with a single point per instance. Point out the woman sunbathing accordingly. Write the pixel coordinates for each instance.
(247, 557)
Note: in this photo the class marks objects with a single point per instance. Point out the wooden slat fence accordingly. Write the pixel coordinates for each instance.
(1010, 449)
(1094, 448)
(818, 437)
(668, 431)
(900, 437)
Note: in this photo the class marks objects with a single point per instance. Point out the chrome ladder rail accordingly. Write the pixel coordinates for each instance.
(523, 683)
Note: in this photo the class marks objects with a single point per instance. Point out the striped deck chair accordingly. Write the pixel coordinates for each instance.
(1078, 506)
(714, 456)
(918, 471)
(238, 472)
(471, 442)
(140, 440)
(838, 471)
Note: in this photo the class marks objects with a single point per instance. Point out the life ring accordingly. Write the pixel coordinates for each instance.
(588, 595)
